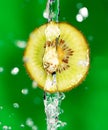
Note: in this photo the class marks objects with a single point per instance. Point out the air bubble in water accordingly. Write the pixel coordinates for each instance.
(24, 91)
(15, 105)
(15, 71)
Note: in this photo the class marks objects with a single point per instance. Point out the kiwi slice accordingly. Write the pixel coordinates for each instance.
(57, 52)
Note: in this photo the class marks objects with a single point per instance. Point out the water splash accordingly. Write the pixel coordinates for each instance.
(52, 104)
(15, 71)
(30, 123)
(24, 91)
(20, 44)
(52, 10)
(16, 105)
(82, 14)
(5, 127)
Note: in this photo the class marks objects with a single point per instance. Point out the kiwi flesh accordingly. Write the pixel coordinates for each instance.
(57, 49)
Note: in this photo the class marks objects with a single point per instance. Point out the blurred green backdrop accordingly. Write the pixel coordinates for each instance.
(21, 102)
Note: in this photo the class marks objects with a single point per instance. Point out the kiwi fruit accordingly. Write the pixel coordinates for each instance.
(57, 57)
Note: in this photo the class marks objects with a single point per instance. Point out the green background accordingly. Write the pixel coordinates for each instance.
(85, 107)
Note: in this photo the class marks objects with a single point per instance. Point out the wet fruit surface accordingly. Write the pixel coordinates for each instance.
(85, 107)
(63, 51)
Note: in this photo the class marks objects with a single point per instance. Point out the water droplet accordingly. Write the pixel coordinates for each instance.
(46, 14)
(34, 84)
(5, 127)
(46, 11)
(24, 91)
(22, 125)
(84, 12)
(83, 63)
(34, 127)
(21, 44)
(15, 105)
(9, 128)
(1, 69)
(1, 107)
(60, 123)
(29, 122)
(61, 96)
(0, 123)
(79, 18)
(15, 71)
(25, 59)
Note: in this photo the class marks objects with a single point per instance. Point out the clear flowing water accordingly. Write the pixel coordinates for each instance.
(52, 10)
(52, 102)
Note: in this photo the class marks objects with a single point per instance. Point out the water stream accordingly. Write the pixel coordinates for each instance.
(52, 10)
(52, 102)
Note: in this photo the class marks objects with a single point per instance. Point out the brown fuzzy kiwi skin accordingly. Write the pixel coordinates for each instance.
(78, 83)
